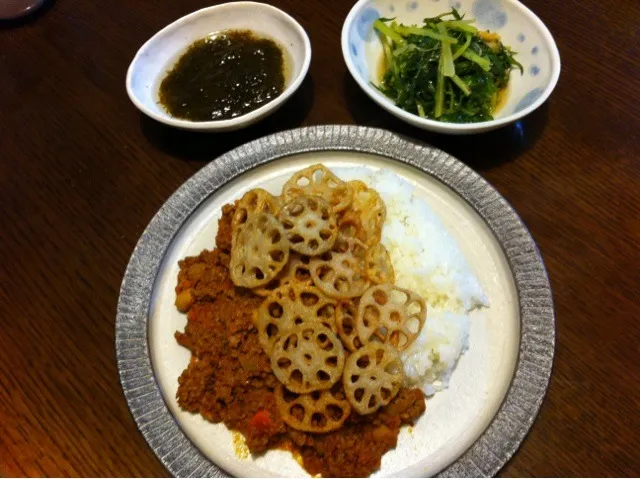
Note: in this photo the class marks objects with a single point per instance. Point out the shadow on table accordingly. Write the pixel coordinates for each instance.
(202, 146)
(482, 151)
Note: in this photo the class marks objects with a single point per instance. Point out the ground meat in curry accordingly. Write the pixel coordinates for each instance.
(229, 378)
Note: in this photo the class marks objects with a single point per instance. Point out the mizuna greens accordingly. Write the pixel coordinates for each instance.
(446, 69)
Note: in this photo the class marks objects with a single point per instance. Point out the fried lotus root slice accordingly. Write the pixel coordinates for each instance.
(370, 207)
(391, 315)
(291, 305)
(350, 225)
(317, 411)
(311, 227)
(260, 251)
(295, 271)
(254, 201)
(340, 273)
(378, 265)
(308, 357)
(318, 180)
(346, 315)
(372, 377)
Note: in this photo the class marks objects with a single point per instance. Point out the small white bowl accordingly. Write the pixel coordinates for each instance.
(518, 26)
(160, 53)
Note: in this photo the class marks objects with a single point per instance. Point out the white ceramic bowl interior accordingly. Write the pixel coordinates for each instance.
(518, 26)
(159, 54)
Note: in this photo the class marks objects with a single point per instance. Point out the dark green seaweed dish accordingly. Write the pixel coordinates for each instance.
(445, 70)
(224, 76)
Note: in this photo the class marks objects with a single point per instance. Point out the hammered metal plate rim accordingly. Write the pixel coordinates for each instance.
(521, 405)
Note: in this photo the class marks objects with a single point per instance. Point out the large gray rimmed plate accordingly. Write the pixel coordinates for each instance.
(472, 429)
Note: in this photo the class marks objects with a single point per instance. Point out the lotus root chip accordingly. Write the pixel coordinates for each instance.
(317, 412)
(391, 315)
(372, 377)
(291, 305)
(295, 271)
(346, 315)
(253, 201)
(310, 225)
(378, 265)
(260, 251)
(350, 225)
(318, 180)
(270, 287)
(370, 208)
(308, 357)
(340, 273)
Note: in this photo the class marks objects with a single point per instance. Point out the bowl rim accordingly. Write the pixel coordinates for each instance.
(442, 126)
(247, 118)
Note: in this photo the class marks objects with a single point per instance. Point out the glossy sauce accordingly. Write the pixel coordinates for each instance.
(501, 99)
(223, 76)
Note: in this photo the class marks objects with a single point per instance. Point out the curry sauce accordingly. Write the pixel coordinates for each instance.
(229, 378)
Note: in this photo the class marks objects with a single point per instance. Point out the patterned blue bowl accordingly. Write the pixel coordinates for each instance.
(518, 26)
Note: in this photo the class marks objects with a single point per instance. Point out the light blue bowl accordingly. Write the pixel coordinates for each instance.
(518, 26)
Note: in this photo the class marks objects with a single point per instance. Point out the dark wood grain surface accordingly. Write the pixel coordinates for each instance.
(82, 172)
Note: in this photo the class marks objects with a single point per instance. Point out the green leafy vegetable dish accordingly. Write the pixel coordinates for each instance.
(445, 70)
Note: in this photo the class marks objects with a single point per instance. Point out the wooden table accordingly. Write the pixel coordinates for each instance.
(82, 173)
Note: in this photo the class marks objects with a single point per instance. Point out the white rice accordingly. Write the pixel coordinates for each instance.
(430, 360)
(426, 259)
